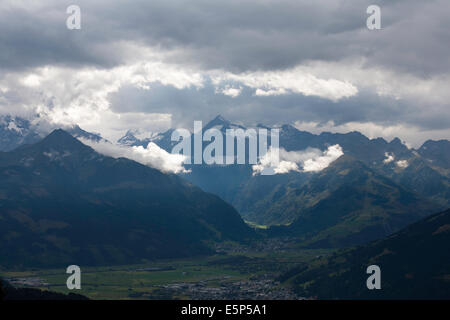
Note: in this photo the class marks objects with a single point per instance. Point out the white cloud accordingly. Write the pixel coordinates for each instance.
(13, 127)
(385, 82)
(265, 93)
(69, 96)
(83, 96)
(389, 157)
(296, 80)
(152, 156)
(32, 80)
(323, 161)
(230, 91)
(402, 164)
(310, 159)
(274, 159)
(320, 50)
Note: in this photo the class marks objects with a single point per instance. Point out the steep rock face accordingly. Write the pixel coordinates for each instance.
(61, 202)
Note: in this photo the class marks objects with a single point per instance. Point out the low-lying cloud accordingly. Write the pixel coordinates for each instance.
(152, 156)
(308, 160)
(389, 158)
(323, 161)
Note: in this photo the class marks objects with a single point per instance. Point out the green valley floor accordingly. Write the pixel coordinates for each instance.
(237, 272)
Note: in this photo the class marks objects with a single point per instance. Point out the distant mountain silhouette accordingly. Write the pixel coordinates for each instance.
(15, 131)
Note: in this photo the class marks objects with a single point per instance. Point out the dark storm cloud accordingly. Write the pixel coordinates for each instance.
(241, 37)
(189, 104)
(233, 35)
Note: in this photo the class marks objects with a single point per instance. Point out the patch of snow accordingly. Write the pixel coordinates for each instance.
(13, 127)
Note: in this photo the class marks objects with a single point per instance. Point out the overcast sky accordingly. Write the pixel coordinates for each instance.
(155, 64)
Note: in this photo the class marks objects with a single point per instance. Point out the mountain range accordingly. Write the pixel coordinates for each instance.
(61, 203)
(16, 131)
(423, 171)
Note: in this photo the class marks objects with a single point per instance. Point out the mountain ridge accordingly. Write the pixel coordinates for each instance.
(237, 185)
(347, 204)
(414, 264)
(61, 202)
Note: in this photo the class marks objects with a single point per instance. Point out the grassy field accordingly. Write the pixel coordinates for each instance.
(151, 280)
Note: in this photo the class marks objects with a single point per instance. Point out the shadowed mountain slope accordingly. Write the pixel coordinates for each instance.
(414, 263)
(61, 202)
